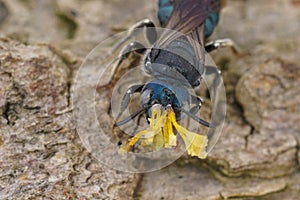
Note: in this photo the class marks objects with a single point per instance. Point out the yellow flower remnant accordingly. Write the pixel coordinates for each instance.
(161, 135)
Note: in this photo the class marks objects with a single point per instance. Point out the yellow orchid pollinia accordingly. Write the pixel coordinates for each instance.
(161, 135)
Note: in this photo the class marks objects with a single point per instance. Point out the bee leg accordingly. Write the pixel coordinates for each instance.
(197, 119)
(138, 123)
(213, 45)
(133, 47)
(217, 92)
(213, 79)
(196, 84)
(126, 99)
(118, 68)
(198, 101)
(151, 33)
(195, 109)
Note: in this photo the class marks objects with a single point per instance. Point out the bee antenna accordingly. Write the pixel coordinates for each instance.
(132, 116)
(197, 119)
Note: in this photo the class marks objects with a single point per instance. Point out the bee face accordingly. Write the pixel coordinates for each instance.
(162, 95)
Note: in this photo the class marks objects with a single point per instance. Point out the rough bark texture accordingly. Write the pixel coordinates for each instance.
(41, 156)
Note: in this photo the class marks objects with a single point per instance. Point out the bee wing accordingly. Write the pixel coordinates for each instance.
(187, 16)
(196, 39)
(197, 36)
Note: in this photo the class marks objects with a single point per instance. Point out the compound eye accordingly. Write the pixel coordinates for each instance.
(167, 92)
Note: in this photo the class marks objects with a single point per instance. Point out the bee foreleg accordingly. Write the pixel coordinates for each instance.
(137, 124)
(126, 98)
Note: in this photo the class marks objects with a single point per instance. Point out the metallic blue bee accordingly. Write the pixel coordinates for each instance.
(176, 60)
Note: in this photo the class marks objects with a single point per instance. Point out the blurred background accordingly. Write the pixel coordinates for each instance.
(41, 156)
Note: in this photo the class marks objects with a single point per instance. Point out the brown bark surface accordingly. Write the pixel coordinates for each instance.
(42, 46)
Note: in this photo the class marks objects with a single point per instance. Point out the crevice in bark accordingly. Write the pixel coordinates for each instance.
(137, 189)
(6, 112)
(297, 154)
(247, 136)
